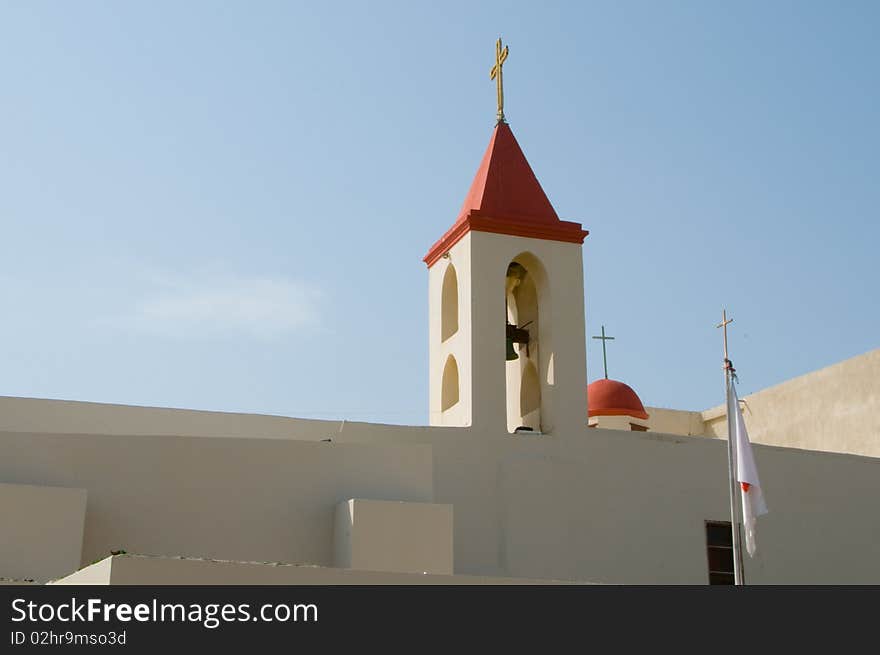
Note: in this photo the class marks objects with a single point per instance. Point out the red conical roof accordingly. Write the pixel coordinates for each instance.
(506, 198)
(505, 186)
(612, 398)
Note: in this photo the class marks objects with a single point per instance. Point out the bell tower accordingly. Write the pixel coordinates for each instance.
(506, 305)
(507, 255)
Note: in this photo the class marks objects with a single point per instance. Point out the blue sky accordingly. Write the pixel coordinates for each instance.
(225, 205)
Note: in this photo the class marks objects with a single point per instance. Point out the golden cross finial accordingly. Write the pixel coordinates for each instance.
(723, 324)
(495, 74)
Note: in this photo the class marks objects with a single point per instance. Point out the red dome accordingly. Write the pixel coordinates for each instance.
(613, 398)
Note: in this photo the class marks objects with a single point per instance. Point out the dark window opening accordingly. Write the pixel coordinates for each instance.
(719, 552)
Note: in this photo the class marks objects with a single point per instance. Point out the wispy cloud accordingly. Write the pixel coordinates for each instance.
(203, 305)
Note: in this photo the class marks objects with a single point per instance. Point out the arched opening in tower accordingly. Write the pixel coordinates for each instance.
(449, 304)
(523, 390)
(449, 391)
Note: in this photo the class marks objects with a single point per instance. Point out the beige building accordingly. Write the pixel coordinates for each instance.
(508, 483)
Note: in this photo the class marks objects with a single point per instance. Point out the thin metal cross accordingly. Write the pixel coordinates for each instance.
(723, 324)
(495, 74)
(604, 356)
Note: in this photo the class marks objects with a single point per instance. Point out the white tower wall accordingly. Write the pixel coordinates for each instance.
(481, 260)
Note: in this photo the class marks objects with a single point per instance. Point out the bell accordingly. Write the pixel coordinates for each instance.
(511, 353)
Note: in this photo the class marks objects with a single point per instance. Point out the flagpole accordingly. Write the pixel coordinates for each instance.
(731, 458)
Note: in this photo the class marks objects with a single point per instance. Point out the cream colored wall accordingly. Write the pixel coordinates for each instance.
(251, 499)
(674, 421)
(615, 422)
(97, 573)
(629, 507)
(598, 505)
(382, 535)
(586, 507)
(42, 533)
(141, 570)
(833, 409)
(77, 417)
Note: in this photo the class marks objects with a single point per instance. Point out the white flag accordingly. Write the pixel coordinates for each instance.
(746, 474)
